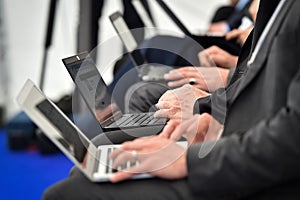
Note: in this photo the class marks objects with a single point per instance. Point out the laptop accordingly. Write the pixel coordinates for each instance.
(92, 160)
(147, 71)
(98, 98)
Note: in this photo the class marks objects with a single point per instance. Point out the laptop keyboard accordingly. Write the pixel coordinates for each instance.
(109, 163)
(136, 120)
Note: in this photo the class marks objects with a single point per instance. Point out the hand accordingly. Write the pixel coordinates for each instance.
(103, 114)
(253, 9)
(218, 27)
(240, 35)
(234, 2)
(204, 78)
(158, 156)
(179, 103)
(220, 57)
(197, 129)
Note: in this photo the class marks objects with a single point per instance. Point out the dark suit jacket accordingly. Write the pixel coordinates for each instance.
(261, 147)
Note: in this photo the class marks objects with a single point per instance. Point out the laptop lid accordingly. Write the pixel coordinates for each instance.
(93, 89)
(127, 39)
(57, 127)
(66, 136)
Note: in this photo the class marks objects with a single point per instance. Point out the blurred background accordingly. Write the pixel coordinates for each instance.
(28, 169)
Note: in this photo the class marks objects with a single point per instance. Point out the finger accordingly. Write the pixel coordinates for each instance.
(163, 104)
(219, 60)
(187, 71)
(115, 153)
(178, 132)
(194, 132)
(205, 59)
(168, 104)
(233, 34)
(141, 143)
(136, 145)
(186, 127)
(169, 128)
(120, 176)
(211, 50)
(173, 75)
(161, 113)
(128, 173)
(192, 74)
(169, 94)
(172, 113)
(178, 83)
(123, 158)
(241, 40)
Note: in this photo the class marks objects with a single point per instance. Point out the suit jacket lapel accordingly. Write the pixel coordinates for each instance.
(260, 59)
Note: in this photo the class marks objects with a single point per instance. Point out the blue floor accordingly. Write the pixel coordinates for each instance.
(26, 174)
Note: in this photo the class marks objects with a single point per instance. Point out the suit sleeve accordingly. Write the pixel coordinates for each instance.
(214, 104)
(243, 163)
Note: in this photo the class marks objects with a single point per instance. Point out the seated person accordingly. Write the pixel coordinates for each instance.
(171, 51)
(257, 155)
(224, 12)
(141, 96)
(233, 21)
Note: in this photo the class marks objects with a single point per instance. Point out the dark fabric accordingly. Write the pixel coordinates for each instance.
(215, 104)
(133, 20)
(265, 11)
(78, 187)
(204, 104)
(207, 41)
(222, 14)
(96, 12)
(259, 150)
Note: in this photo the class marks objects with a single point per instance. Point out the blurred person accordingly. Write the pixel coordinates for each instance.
(217, 68)
(233, 21)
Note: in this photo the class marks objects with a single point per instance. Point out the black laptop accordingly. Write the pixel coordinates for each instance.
(98, 98)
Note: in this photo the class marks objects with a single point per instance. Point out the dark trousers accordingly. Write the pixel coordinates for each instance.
(77, 186)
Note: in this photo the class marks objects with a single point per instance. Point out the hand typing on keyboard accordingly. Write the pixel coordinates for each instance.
(154, 155)
(179, 103)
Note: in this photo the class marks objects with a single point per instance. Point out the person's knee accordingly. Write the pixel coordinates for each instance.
(50, 194)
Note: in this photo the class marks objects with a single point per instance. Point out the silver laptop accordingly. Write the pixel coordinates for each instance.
(67, 137)
(98, 98)
(147, 71)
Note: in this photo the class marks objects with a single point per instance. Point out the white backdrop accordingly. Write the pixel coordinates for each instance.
(26, 24)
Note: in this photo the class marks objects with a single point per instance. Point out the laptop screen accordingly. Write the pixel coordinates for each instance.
(69, 135)
(127, 38)
(93, 89)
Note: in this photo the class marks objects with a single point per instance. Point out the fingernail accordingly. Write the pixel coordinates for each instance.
(170, 84)
(166, 76)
